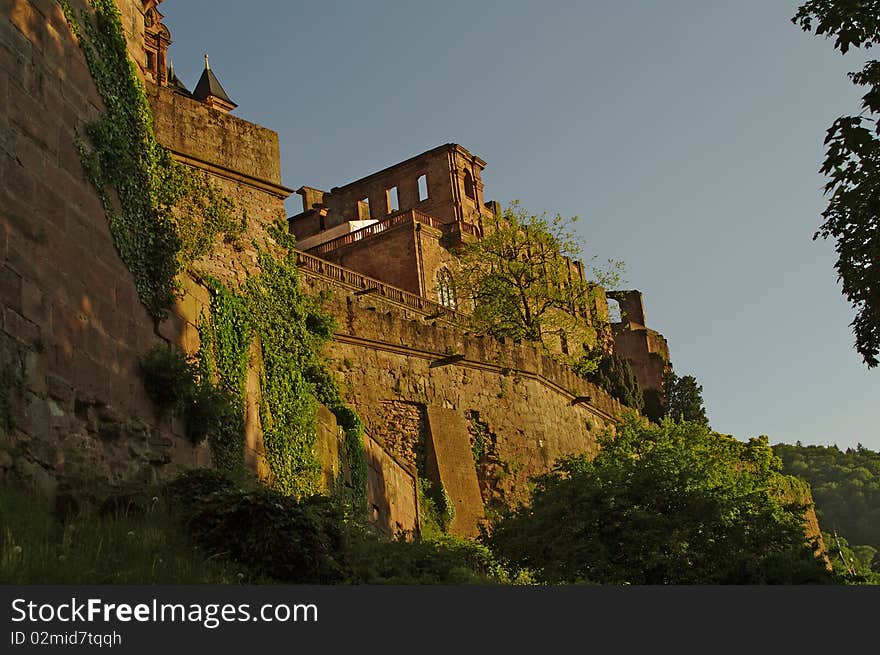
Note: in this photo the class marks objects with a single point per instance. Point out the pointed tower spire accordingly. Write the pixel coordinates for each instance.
(175, 82)
(210, 91)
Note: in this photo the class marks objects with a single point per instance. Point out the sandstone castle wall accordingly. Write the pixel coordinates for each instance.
(479, 415)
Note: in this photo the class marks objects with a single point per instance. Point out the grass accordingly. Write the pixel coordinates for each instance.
(143, 546)
(206, 528)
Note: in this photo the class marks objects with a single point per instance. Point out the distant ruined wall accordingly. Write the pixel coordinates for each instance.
(644, 348)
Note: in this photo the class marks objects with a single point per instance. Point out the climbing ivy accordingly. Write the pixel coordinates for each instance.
(224, 338)
(292, 329)
(168, 215)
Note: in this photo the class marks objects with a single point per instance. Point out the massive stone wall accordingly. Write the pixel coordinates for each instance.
(72, 325)
(396, 363)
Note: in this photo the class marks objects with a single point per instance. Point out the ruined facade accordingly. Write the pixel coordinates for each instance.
(398, 225)
(476, 415)
(645, 349)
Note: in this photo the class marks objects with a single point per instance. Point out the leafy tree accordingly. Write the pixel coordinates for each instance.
(614, 374)
(684, 399)
(846, 488)
(852, 563)
(852, 163)
(653, 409)
(668, 504)
(524, 281)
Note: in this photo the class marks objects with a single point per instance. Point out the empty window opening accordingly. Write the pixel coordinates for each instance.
(363, 208)
(446, 288)
(423, 187)
(614, 311)
(469, 185)
(151, 61)
(391, 195)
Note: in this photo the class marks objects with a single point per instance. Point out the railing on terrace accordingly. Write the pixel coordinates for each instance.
(470, 228)
(406, 216)
(318, 266)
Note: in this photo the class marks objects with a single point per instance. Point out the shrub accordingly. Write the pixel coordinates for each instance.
(173, 381)
(169, 378)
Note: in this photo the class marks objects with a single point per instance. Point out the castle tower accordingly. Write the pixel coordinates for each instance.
(211, 92)
(157, 38)
(644, 348)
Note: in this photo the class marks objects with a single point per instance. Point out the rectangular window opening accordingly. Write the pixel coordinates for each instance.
(614, 315)
(393, 204)
(423, 187)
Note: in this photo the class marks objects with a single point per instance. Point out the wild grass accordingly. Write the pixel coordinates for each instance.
(134, 545)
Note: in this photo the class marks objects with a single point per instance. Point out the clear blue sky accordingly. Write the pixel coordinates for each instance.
(686, 135)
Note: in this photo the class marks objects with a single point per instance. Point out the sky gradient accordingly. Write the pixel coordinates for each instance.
(687, 136)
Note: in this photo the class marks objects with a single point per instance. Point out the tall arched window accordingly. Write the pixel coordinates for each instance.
(446, 288)
(469, 185)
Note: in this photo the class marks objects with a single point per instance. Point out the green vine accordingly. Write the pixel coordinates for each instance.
(168, 215)
(292, 329)
(224, 340)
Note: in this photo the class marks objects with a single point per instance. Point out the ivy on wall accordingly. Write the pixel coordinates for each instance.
(292, 330)
(167, 217)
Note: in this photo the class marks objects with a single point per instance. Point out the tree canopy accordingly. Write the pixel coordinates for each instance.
(846, 488)
(526, 283)
(684, 399)
(852, 164)
(614, 374)
(681, 400)
(668, 504)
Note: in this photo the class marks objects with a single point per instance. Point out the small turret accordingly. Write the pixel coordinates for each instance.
(210, 91)
(175, 82)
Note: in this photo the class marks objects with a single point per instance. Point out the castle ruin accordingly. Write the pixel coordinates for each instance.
(72, 326)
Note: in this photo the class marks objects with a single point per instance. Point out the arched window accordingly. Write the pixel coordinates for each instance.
(446, 288)
(469, 185)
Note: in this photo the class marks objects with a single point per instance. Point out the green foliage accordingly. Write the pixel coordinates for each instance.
(225, 339)
(205, 527)
(273, 535)
(853, 564)
(852, 164)
(668, 504)
(653, 409)
(445, 559)
(169, 378)
(684, 399)
(314, 540)
(436, 509)
(146, 546)
(481, 438)
(522, 279)
(614, 374)
(846, 488)
(327, 392)
(292, 329)
(175, 383)
(168, 214)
